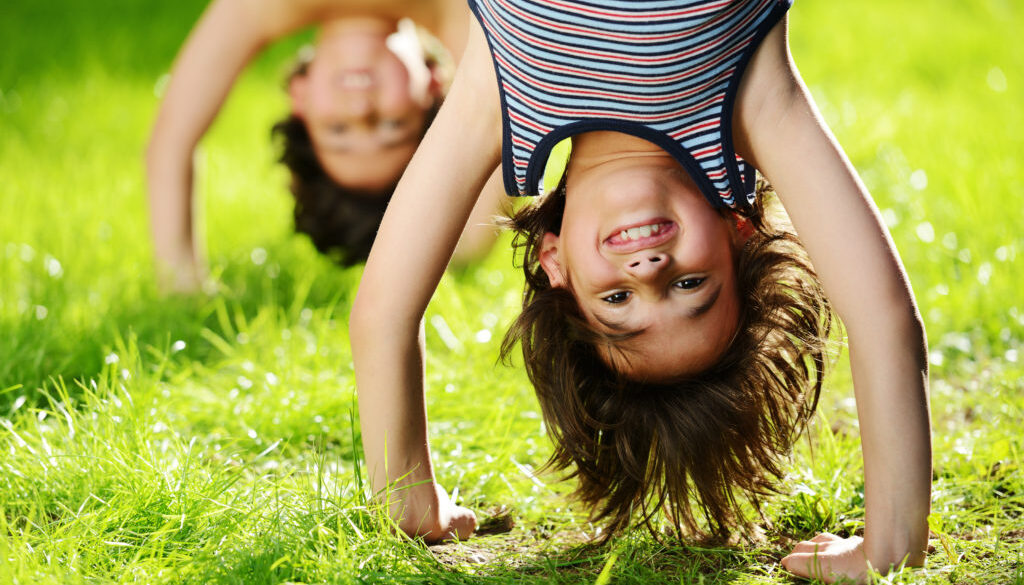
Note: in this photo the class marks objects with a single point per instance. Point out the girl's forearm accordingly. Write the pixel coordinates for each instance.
(217, 49)
(890, 376)
(169, 187)
(388, 361)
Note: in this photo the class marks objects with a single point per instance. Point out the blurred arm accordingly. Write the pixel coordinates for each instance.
(481, 230)
(423, 222)
(783, 134)
(228, 35)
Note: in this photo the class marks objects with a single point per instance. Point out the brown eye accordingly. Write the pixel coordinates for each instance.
(688, 283)
(616, 298)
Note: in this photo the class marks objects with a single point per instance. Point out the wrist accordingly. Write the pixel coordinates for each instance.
(179, 273)
(887, 547)
(416, 508)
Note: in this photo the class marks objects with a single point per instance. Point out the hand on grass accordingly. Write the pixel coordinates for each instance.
(180, 278)
(441, 520)
(829, 558)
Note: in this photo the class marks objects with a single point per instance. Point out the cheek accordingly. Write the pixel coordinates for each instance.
(713, 242)
(395, 91)
(319, 78)
(322, 98)
(706, 250)
(589, 271)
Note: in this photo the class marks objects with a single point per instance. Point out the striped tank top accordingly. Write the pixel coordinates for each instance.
(663, 70)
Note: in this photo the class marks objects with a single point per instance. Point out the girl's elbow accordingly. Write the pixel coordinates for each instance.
(901, 317)
(166, 156)
(361, 320)
(375, 317)
(902, 312)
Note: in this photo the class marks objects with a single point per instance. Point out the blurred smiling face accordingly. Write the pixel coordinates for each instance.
(646, 255)
(364, 100)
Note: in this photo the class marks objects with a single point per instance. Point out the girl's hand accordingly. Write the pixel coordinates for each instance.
(184, 278)
(829, 558)
(440, 520)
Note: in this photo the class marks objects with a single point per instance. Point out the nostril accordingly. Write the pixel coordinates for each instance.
(651, 260)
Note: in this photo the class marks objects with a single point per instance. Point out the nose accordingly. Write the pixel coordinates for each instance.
(646, 264)
(357, 106)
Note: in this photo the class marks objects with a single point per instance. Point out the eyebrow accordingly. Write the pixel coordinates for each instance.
(696, 312)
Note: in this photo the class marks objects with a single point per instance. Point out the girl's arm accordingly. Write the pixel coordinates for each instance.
(228, 35)
(781, 131)
(481, 229)
(414, 244)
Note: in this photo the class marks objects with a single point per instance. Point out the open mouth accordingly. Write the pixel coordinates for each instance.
(356, 80)
(641, 236)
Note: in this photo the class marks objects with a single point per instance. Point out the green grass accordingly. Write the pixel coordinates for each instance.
(213, 440)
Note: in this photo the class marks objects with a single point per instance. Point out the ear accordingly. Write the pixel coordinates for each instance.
(298, 92)
(549, 260)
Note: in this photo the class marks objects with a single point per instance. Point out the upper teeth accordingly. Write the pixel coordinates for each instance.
(636, 233)
(357, 80)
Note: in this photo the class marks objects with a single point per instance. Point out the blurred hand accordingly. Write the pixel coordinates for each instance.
(829, 558)
(180, 277)
(435, 518)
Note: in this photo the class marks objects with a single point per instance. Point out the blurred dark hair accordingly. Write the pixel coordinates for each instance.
(342, 222)
(694, 447)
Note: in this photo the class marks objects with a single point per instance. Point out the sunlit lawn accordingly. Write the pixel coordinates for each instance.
(213, 439)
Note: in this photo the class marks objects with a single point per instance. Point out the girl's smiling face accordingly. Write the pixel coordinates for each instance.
(647, 256)
(364, 100)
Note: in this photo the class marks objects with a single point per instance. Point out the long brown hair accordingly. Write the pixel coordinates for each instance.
(695, 447)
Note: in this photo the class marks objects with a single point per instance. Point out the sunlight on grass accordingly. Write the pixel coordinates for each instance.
(214, 439)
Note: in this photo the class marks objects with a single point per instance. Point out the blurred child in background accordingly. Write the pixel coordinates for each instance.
(360, 103)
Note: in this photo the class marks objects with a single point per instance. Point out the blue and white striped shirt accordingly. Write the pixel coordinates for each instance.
(663, 70)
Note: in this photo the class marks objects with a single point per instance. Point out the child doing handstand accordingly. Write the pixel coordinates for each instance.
(674, 335)
(359, 106)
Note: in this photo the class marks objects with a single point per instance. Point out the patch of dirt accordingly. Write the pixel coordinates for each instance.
(456, 554)
(498, 521)
(509, 550)
(1012, 535)
(983, 534)
(499, 542)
